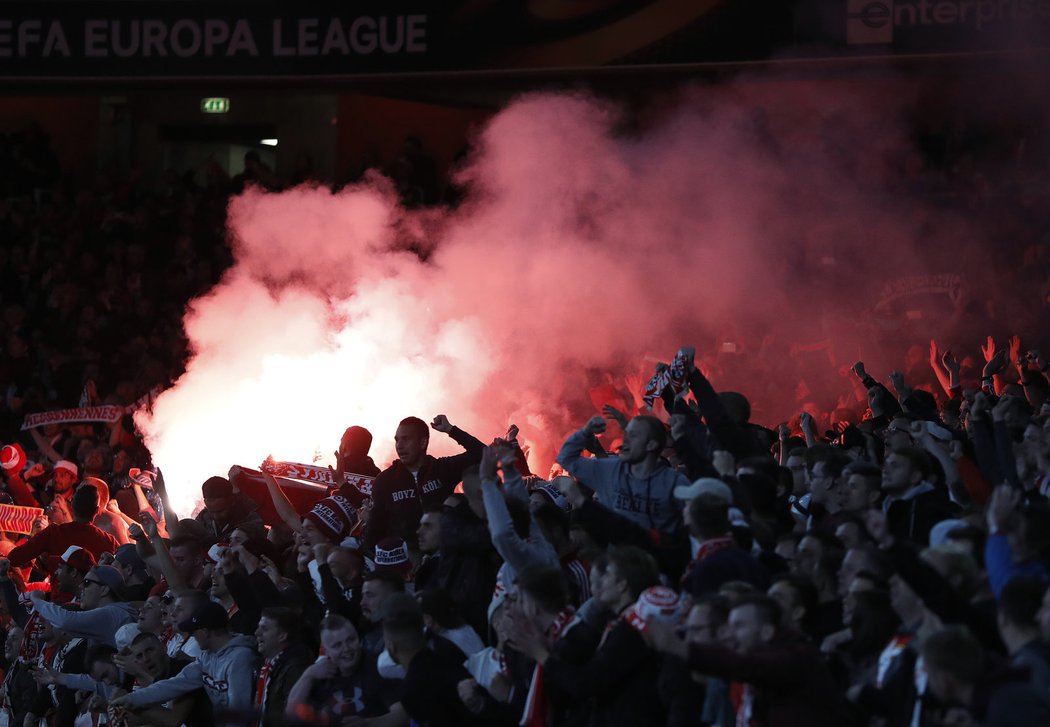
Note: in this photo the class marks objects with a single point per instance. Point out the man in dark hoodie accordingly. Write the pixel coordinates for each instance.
(416, 480)
(352, 455)
(225, 511)
(912, 505)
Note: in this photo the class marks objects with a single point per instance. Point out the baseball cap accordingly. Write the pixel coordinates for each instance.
(78, 558)
(553, 494)
(209, 616)
(108, 576)
(704, 485)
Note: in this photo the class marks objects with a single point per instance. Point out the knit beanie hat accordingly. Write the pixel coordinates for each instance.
(392, 555)
(334, 516)
(659, 602)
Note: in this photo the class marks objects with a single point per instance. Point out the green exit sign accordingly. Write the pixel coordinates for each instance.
(215, 105)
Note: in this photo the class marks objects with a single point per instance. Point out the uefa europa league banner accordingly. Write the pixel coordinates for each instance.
(265, 39)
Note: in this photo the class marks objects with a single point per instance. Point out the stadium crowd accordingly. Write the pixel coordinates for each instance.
(881, 559)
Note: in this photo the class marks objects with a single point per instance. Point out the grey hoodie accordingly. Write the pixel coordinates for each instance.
(517, 553)
(97, 624)
(647, 501)
(227, 675)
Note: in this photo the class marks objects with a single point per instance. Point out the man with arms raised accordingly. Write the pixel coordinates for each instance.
(416, 480)
(637, 484)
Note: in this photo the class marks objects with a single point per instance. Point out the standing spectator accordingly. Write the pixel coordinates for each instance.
(285, 657)
(56, 539)
(786, 682)
(416, 480)
(1019, 605)
(619, 681)
(225, 511)
(637, 484)
(342, 683)
(912, 504)
(103, 612)
(19, 689)
(430, 690)
(959, 676)
(225, 668)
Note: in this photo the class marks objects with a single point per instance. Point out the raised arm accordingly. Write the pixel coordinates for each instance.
(939, 370)
(285, 509)
(571, 454)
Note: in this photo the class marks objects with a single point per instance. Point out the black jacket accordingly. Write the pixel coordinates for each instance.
(398, 499)
(911, 520)
(21, 691)
(287, 669)
(468, 564)
(619, 682)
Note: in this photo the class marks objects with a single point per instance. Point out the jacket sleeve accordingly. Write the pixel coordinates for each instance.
(241, 681)
(999, 560)
(715, 415)
(249, 606)
(450, 469)
(1004, 454)
(984, 448)
(611, 528)
(16, 608)
(99, 624)
(519, 554)
(514, 485)
(334, 597)
(190, 678)
(591, 471)
(23, 554)
(21, 492)
(379, 519)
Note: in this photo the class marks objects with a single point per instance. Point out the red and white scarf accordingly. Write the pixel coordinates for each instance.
(706, 550)
(110, 414)
(313, 473)
(535, 714)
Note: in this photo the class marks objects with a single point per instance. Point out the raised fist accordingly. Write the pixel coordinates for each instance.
(595, 425)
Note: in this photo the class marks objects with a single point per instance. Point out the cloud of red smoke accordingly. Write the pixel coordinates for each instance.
(762, 218)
